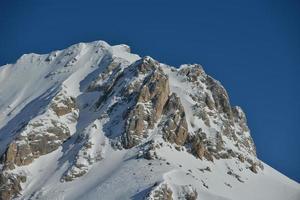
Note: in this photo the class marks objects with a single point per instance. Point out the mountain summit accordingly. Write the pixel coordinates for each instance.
(95, 121)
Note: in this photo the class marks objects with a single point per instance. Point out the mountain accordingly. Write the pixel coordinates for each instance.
(95, 121)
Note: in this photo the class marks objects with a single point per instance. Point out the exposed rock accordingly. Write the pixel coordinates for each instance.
(159, 92)
(144, 95)
(154, 91)
(146, 65)
(201, 114)
(73, 173)
(135, 126)
(63, 106)
(199, 149)
(209, 102)
(91, 150)
(191, 195)
(192, 72)
(17, 153)
(253, 168)
(175, 128)
(161, 192)
(102, 82)
(240, 118)
(10, 185)
(25, 148)
(220, 96)
(241, 158)
(135, 99)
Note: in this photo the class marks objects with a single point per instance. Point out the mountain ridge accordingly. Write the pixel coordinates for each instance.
(94, 107)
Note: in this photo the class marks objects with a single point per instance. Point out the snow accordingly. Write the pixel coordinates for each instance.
(29, 86)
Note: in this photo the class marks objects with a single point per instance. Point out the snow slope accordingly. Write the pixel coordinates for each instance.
(86, 91)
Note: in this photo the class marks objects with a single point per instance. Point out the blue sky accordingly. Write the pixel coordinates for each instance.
(252, 47)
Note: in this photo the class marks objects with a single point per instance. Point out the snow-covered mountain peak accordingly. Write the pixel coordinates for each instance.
(111, 125)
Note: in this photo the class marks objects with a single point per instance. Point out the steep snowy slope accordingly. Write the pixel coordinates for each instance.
(95, 121)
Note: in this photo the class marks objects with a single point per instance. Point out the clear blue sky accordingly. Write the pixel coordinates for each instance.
(252, 47)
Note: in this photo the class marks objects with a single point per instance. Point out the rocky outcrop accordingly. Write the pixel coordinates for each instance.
(43, 135)
(28, 146)
(183, 109)
(192, 73)
(200, 146)
(150, 101)
(63, 106)
(221, 122)
(188, 193)
(175, 128)
(135, 126)
(17, 154)
(220, 96)
(10, 185)
(39, 137)
(102, 82)
(92, 149)
(161, 192)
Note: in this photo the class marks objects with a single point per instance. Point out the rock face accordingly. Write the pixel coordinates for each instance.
(123, 103)
(152, 96)
(220, 121)
(10, 185)
(25, 148)
(63, 106)
(175, 128)
(93, 145)
(220, 97)
(162, 192)
(41, 136)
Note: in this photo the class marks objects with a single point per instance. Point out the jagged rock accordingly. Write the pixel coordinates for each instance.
(253, 168)
(132, 102)
(240, 118)
(63, 106)
(220, 96)
(92, 150)
(202, 114)
(209, 102)
(144, 95)
(154, 91)
(212, 106)
(175, 128)
(42, 138)
(241, 158)
(146, 64)
(161, 192)
(9, 156)
(200, 150)
(159, 92)
(135, 126)
(191, 194)
(10, 186)
(17, 153)
(25, 148)
(75, 172)
(102, 82)
(192, 72)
